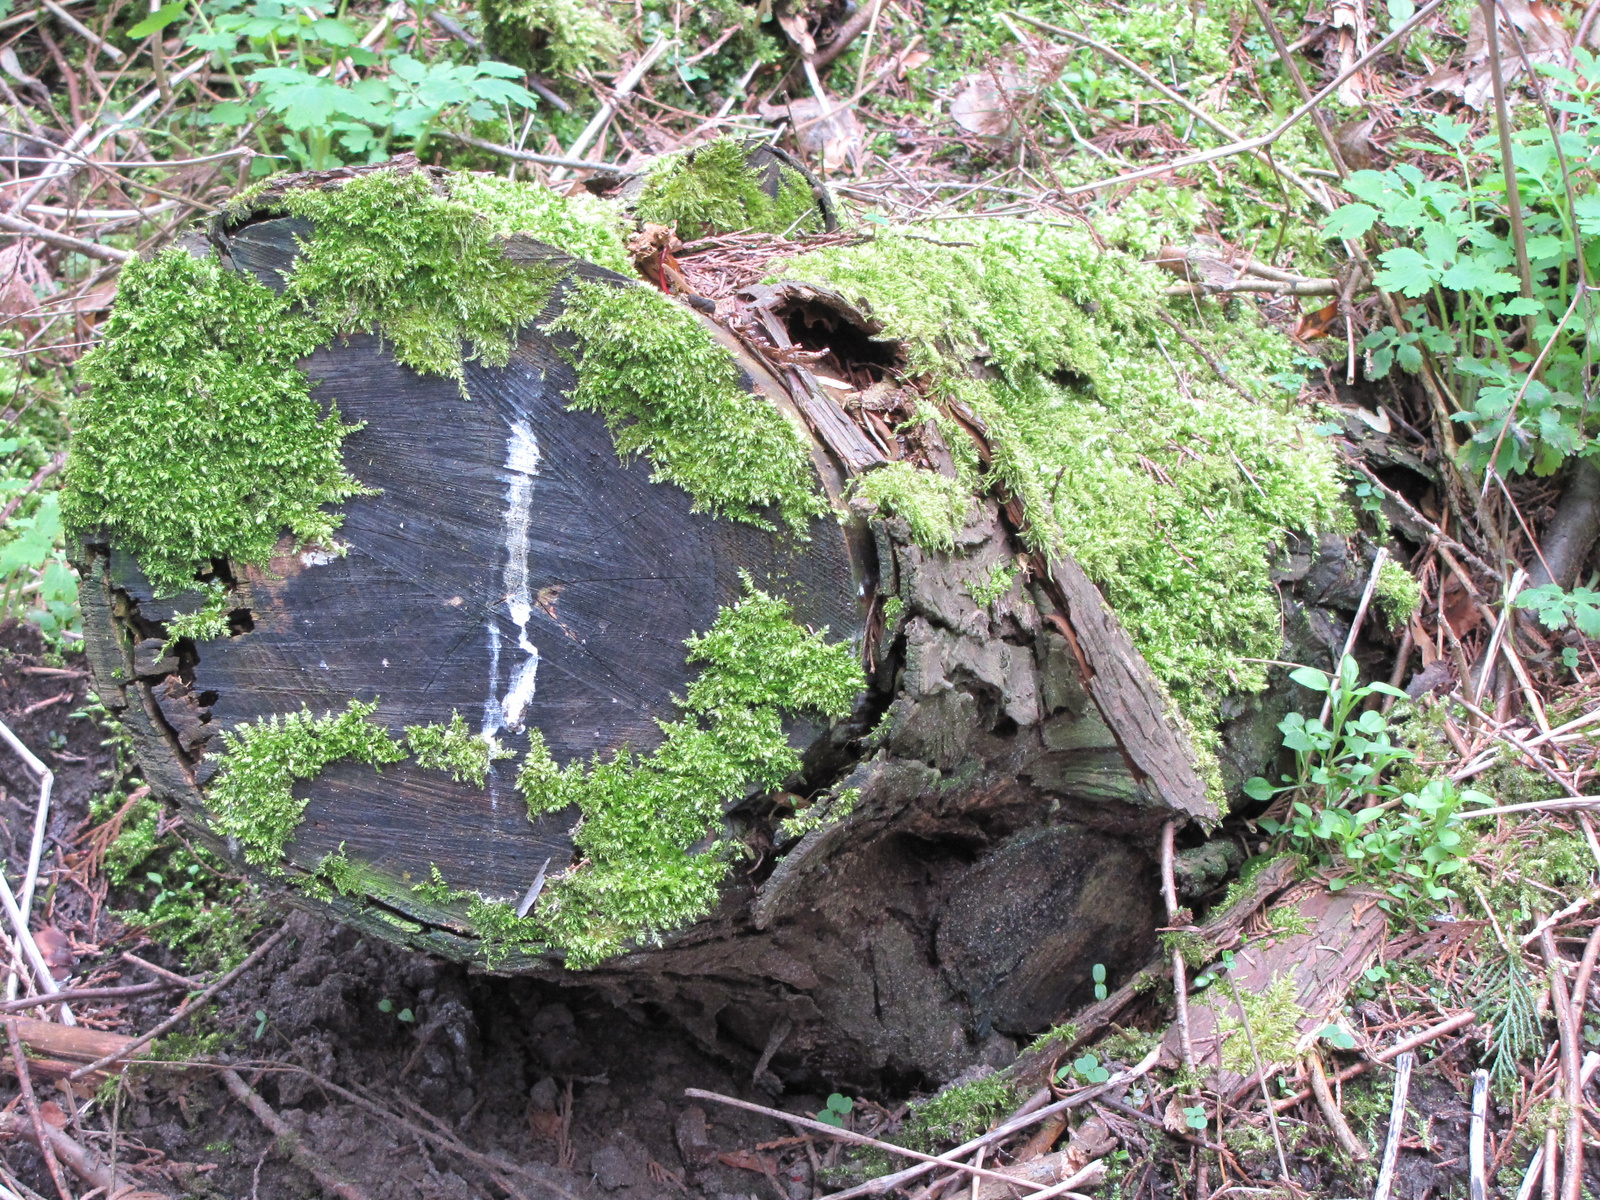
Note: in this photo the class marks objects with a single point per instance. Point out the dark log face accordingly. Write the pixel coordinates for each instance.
(511, 569)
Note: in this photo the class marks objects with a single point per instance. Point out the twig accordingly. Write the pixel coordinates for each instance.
(1508, 162)
(1261, 1075)
(1479, 1184)
(1248, 145)
(861, 1139)
(1445, 540)
(187, 1011)
(134, 960)
(1572, 1158)
(41, 816)
(90, 993)
(1282, 287)
(1355, 623)
(1432, 1034)
(65, 241)
(307, 1159)
(30, 1102)
(1180, 986)
(1021, 1121)
(1489, 655)
(30, 948)
(1397, 1121)
(549, 160)
(608, 108)
(1210, 360)
(1330, 1110)
(1530, 1177)
(83, 31)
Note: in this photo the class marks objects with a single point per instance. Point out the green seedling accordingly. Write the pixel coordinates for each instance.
(838, 1107)
(1099, 977)
(1194, 1116)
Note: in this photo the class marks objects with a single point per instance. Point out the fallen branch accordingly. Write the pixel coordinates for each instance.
(1432, 1034)
(66, 241)
(307, 1159)
(548, 160)
(1297, 287)
(55, 464)
(608, 108)
(126, 992)
(1478, 1183)
(1378, 560)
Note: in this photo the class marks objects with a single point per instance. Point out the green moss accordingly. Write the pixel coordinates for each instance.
(206, 623)
(650, 837)
(337, 874)
(1275, 1015)
(994, 585)
(1398, 593)
(1167, 490)
(933, 505)
(251, 799)
(958, 1113)
(393, 255)
(711, 189)
(669, 391)
(456, 749)
(583, 226)
(1057, 1035)
(825, 810)
(198, 438)
(1197, 949)
(557, 36)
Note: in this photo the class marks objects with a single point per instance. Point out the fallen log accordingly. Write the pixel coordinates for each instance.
(397, 501)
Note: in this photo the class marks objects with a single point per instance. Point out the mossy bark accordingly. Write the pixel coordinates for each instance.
(999, 782)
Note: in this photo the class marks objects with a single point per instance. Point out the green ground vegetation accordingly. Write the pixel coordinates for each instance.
(958, 1113)
(711, 189)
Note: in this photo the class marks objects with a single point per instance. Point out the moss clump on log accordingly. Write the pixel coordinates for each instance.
(668, 391)
(200, 441)
(645, 816)
(251, 800)
(198, 437)
(1169, 488)
(712, 189)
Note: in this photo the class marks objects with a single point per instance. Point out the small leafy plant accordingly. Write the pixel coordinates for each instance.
(836, 1110)
(1086, 1069)
(1098, 974)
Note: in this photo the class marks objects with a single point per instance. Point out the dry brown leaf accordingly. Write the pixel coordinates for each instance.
(1319, 324)
(56, 950)
(911, 62)
(837, 140)
(52, 1114)
(1544, 36)
(984, 105)
(1089, 1141)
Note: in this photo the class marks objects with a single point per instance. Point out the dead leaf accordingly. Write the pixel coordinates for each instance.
(56, 950)
(836, 139)
(1544, 36)
(1319, 324)
(794, 25)
(1460, 610)
(912, 62)
(1039, 1144)
(52, 1115)
(745, 1160)
(984, 104)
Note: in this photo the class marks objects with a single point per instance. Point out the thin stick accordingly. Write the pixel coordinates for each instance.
(187, 1011)
(1530, 1177)
(19, 1063)
(608, 108)
(1552, 1148)
(1580, 985)
(861, 1139)
(1517, 580)
(92, 993)
(1261, 1074)
(1272, 135)
(1180, 985)
(1480, 1110)
(1431, 1034)
(1572, 1158)
(41, 814)
(1355, 623)
(30, 948)
(549, 160)
(314, 1163)
(1397, 1120)
(1508, 162)
(83, 31)
(1329, 1107)
(1022, 1120)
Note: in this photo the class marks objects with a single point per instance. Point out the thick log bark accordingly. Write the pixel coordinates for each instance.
(1014, 759)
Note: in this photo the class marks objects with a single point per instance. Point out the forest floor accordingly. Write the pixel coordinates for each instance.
(382, 1073)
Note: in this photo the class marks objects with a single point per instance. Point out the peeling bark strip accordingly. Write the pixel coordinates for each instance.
(1000, 782)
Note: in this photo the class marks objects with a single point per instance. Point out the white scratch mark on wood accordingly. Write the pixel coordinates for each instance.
(522, 464)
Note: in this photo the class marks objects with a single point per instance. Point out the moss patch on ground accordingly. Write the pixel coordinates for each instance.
(711, 189)
(1126, 450)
